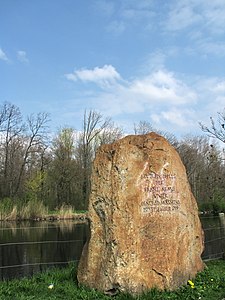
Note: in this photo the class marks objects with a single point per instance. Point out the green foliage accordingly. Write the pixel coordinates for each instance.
(8, 209)
(219, 202)
(61, 284)
(34, 185)
(206, 207)
(216, 206)
(6, 206)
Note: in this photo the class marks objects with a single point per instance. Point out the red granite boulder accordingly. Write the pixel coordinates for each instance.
(144, 226)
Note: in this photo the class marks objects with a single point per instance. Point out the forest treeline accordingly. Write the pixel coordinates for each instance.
(36, 166)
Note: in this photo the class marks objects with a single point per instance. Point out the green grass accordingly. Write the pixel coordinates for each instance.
(208, 285)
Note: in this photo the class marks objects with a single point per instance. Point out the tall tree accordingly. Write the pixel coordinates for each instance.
(11, 128)
(96, 131)
(34, 141)
(21, 148)
(205, 168)
(93, 125)
(63, 171)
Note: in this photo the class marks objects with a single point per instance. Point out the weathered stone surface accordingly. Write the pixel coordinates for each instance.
(145, 229)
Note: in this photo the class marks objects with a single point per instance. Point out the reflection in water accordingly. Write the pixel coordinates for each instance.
(214, 231)
(66, 226)
(55, 243)
(32, 243)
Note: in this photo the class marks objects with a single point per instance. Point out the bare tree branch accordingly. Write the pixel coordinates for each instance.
(217, 129)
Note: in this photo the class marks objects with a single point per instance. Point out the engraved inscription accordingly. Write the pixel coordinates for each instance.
(160, 194)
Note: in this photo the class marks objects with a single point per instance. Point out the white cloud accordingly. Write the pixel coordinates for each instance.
(182, 15)
(162, 86)
(214, 15)
(200, 24)
(170, 101)
(200, 17)
(177, 117)
(207, 14)
(159, 87)
(3, 56)
(211, 98)
(124, 15)
(102, 76)
(220, 87)
(154, 61)
(177, 120)
(22, 56)
(211, 47)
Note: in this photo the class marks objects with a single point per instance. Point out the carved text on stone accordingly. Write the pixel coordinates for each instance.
(159, 193)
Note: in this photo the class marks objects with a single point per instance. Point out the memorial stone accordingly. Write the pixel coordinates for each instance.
(144, 226)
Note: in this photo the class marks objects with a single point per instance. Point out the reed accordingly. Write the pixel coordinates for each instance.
(34, 209)
(66, 212)
(11, 211)
(6, 208)
(12, 215)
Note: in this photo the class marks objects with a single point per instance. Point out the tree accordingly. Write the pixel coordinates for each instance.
(34, 141)
(216, 158)
(22, 147)
(205, 169)
(93, 125)
(11, 128)
(63, 167)
(144, 127)
(108, 135)
(217, 128)
(96, 131)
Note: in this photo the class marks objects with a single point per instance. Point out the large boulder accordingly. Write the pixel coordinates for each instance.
(144, 226)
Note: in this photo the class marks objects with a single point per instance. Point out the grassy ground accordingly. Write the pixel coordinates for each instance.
(61, 284)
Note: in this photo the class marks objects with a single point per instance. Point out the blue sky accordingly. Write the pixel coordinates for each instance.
(147, 60)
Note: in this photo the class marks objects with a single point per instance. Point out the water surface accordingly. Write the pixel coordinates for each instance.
(30, 247)
(214, 236)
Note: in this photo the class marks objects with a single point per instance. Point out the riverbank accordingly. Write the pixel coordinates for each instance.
(34, 210)
(61, 284)
(75, 216)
